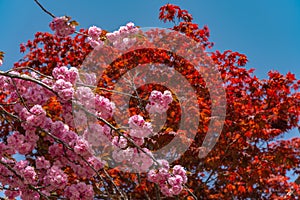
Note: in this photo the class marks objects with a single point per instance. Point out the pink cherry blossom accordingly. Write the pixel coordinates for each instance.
(159, 102)
(79, 191)
(64, 89)
(56, 178)
(82, 147)
(94, 39)
(42, 163)
(61, 26)
(120, 142)
(104, 107)
(94, 32)
(139, 128)
(142, 161)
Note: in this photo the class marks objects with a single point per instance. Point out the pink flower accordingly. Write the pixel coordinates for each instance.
(79, 191)
(104, 107)
(15, 140)
(164, 164)
(175, 180)
(138, 141)
(142, 161)
(26, 148)
(64, 89)
(120, 142)
(97, 135)
(153, 176)
(164, 174)
(56, 150)
(166, 190)
(96, 163)
(94, 32)
(139, 128)
(29, 175)
(179, 170)
(11, 194)
(95, 43)
(120, 155)
(176, 189)
(27, 172)
(136, 121)
(56, 178)
(82, 147)
(37, 116)
(42, 163)
(28, 194)
(69, 75)
(169, 184)
(85, 96)
(159, 102)
(61, 26)
(94, 39)
(59, 129)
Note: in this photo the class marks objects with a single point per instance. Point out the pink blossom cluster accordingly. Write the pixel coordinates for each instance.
(141, 161)
(85, 96)
(1, 62)
(64, 89)
(97, 135)
(121, 39)
(69, 75)
(62, 26)
(159, 102)
(20, 143)
(139, 128)
(137, 160)
(94, 33)
(64, 80)
(169, 180)
(96, 104)
(55, 178)
(123, 30)
(104, 107)
(120, 142)
(79, 191)
(21, 169)
(34, 119)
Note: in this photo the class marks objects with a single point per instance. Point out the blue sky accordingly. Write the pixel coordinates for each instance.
(268, 31)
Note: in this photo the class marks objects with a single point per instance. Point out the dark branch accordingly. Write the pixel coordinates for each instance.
(44, 9)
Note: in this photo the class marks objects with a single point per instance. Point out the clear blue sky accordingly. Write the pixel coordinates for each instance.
(267, 31)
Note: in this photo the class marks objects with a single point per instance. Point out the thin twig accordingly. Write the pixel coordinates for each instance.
(9, 114)
(112, 91)
(112, 181)
(226, 150)
(53, 16)
(157, 192)
(29, 68)
(20, 97)
(44, 9)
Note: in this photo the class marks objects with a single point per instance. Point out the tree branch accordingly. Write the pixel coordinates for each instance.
(44, 9)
